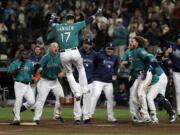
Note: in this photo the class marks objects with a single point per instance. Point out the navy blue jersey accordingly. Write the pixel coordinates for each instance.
(105, 67)
(35, 58)
(175, 55)
(88, 61)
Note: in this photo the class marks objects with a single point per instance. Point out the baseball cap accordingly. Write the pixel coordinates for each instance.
(88, 41)
(69, 16)
(109, 45)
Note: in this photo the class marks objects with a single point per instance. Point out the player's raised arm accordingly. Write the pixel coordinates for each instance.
(91, 18)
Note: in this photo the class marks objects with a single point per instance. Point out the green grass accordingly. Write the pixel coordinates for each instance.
(120, 113)
(94, 134)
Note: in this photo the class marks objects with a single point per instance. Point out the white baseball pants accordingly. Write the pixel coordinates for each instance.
(152, 93)
(68, 58)
(22, 90)
(141, 92)
(85, 110)
(108, 90)
(133, 101)
(176, 78)
(44, 86)
(163, 83)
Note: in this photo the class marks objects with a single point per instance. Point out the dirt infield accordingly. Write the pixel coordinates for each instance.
(98, 126)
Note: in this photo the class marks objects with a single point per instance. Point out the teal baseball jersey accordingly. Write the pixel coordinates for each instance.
(26, 72)
(138, 58)
(51, 65)
(158, 70)
(66, 34)
(128, 57)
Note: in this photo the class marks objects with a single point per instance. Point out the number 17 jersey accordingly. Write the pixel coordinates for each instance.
(67, 34)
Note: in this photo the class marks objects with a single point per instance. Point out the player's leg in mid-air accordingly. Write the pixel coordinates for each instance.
(73, 57)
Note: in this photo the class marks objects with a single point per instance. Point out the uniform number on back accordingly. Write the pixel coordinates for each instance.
(65, 36)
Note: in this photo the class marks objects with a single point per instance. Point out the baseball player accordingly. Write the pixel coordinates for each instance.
(157, 90)
(21, 69)
(149, 63)
(66, 35)
(143, 78)
(106, 66)
(133, 105)
(88, 55)
(50, 66)
(35, 58)
(173, 52)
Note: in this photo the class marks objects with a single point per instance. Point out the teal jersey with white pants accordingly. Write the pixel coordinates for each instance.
(139, 57)
(66, 34)
(26, 72)
(51, 65)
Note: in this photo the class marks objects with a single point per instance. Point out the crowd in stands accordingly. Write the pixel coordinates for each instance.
(24, 23)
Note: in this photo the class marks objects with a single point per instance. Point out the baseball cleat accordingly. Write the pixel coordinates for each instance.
(37, 122)
(77, 122)
(78, 98)
(15, 123)
(32, 110)
(154, 122)
(172, 117)
(59, 119)
(87, 121)
(113, 120)
(23, 108)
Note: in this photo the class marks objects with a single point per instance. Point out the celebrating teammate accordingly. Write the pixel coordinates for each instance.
(50, 66)
(88, 55)
(106, 65)
(66, 35)
(173, 52)
(22, 69)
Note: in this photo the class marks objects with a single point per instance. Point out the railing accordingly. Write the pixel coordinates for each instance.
(3, 95)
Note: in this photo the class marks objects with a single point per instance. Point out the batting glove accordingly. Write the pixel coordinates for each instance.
(99, 11)
(53, 17)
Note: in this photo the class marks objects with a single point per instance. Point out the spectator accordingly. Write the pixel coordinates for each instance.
(119, 38)
(153, 34)
(3, 32)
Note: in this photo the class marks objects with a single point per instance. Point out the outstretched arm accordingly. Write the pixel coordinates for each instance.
(91, 18)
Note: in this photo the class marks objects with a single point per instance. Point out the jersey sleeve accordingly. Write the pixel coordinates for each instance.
(32, 67)
(116, 65)
(143, 54)
(50, 35)
(43, 61)
(126, 56)
(54, 26)
(80, 25)
(12, 67)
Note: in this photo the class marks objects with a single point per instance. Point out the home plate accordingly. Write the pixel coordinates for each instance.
(105, 125)
(22, 123)
(28, 123)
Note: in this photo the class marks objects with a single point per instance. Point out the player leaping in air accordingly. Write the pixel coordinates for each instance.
(66, 35)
